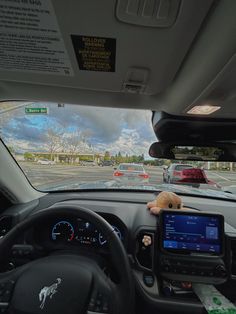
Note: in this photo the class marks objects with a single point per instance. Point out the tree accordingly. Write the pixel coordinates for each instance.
(72, 144)
(54, 140)
(28, 156)
(119, 158)
(107, 156)
(75, 142)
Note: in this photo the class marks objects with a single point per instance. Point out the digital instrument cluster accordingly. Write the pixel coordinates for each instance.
(81, 232)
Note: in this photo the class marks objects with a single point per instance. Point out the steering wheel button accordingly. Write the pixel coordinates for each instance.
(91, 304)
(3, 307)
(105, 307)
(98, 309)
(5, 298)
(98, 302)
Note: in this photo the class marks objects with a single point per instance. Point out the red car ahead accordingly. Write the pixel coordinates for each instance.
(186, 174)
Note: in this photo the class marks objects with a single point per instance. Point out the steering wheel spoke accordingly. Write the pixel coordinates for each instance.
(103, 294)
(99, 302)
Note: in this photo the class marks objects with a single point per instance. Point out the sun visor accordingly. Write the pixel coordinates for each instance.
(97, 48)
(173, 128)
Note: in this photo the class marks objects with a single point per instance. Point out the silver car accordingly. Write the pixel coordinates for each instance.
(127, 173)
(46, 162)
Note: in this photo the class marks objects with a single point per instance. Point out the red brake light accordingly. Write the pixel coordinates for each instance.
(194, 175)
(118, 174)
(144, 175)
(177, 173)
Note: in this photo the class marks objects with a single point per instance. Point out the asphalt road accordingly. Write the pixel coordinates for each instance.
(43, 176)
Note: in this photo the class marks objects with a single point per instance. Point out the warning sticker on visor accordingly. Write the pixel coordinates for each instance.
(30, 38)
(95, 53)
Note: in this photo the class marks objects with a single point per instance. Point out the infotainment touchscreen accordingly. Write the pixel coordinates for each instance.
(192, 232)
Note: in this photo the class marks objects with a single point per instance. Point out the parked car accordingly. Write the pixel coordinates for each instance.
(88, 163)
(46, 162)
(106, 163)
(130, 173)
(174, 172)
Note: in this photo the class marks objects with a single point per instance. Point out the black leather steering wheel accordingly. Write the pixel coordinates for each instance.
(66, 283)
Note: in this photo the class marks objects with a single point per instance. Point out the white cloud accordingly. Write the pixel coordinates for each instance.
(129, 142)
(115, 130)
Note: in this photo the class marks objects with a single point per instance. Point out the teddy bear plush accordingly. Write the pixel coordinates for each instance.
(165, 200)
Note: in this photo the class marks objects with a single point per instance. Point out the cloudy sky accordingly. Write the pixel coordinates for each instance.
(103, 129)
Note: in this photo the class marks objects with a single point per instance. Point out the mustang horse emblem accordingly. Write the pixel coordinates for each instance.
(48, 292)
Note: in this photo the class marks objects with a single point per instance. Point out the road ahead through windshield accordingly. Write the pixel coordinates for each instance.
(45, 176)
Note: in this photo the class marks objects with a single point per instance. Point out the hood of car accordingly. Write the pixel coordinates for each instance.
(201, 190)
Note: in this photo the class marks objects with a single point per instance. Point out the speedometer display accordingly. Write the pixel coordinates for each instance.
(63, 231)
(79, 231)
(87, 234)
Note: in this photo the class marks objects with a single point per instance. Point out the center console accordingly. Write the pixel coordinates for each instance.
(191, 247)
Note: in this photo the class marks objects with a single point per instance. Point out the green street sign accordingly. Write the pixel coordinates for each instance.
(36, 110)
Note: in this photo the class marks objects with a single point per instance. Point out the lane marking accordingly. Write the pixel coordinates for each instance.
(221, 177)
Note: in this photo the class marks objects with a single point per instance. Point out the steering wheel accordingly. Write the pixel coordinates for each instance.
(66, 283)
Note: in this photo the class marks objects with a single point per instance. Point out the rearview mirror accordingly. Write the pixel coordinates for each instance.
(197, 151)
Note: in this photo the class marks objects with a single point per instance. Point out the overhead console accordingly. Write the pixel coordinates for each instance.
(191, 247)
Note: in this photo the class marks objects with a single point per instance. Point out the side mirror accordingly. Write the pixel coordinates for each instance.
(115, 168)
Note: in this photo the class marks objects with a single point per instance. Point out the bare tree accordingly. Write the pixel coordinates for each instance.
(85, 135)
(76, 142)
(53, 140)
(72, 144)
(59, 139)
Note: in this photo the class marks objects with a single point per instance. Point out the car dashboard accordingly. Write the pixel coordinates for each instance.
(129, 217)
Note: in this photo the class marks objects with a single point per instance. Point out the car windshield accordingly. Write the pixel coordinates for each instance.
(75, 147)
(182, 167)
(130, 168)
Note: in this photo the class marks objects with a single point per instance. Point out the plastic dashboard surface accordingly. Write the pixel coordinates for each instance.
(130, 209)
(129, 206)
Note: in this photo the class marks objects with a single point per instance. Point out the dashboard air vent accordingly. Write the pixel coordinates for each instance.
(5, 225)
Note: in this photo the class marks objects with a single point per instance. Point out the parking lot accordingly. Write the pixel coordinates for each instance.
(43, 176)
